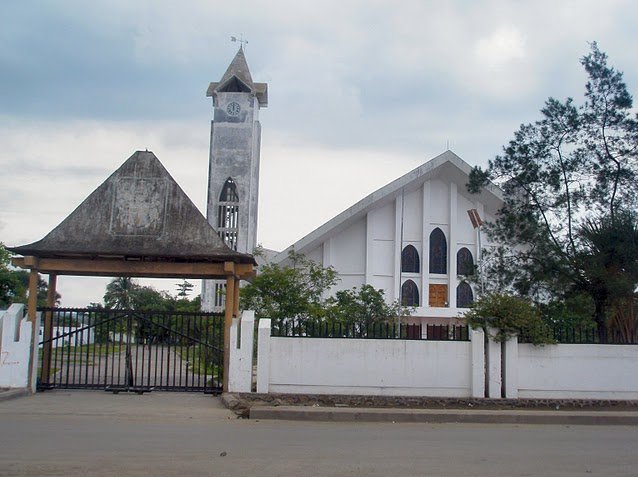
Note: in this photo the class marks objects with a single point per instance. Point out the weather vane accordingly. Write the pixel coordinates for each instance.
(241, 40)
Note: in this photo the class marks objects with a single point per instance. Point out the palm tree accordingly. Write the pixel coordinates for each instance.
(120, 293)
(609, 263)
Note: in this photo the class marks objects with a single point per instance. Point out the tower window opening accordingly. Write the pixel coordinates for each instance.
(228, 214)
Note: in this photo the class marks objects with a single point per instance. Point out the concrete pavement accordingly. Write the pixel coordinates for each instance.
(91, 433)
(514, 416)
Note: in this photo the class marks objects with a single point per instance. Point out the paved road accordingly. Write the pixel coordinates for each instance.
(89, 433)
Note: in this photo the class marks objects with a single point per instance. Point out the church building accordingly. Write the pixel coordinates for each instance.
(417, 238)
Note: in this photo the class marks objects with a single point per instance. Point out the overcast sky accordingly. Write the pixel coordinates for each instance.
(360, 92)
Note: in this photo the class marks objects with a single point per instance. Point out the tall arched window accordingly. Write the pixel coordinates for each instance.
(409, 294)
(464, 295)
(410, 262)
(228, 214)
(438, 252)
(464, 262)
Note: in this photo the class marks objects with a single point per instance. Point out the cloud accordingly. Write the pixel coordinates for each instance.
(360, 92)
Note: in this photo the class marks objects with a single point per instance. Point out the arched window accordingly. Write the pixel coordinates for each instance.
(410, 262)
(228, 214)
(464, 262)
(409, 294)
(464, 295)
(438, 252)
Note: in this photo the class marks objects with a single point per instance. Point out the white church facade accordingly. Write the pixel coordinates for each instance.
(412, 238)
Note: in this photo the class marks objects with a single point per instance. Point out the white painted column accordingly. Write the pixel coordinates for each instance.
(398, 219)
(240, 368)
(263, 356)
(493, 367)
(477, 338)
(16, 345)
(511, 368)
(478, 254)
(453, 246)
(425, 247)
(369, 254)
(327, 256)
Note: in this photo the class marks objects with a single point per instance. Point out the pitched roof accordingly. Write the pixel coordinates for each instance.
(238, 69)
(138, 212)
(449, 162)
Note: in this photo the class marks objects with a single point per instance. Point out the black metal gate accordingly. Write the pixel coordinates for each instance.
(125, 350)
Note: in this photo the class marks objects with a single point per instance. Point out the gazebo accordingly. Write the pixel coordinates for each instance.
(137, 223)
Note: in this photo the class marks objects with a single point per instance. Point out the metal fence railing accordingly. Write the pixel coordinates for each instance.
(583, 335)
(302, 328)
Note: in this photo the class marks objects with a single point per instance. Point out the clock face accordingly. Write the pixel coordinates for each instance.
(233, 109)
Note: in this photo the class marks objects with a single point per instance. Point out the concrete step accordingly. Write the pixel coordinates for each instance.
(350, 414)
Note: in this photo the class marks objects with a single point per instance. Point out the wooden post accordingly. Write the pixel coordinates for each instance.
(32, 305)
(236, 299)
(48, 329)
(228, 319)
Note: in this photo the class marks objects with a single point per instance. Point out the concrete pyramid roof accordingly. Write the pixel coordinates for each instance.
(238, 69)
(139, 212)
(449, 163)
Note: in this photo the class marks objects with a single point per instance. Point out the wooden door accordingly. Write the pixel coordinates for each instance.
(438, 295)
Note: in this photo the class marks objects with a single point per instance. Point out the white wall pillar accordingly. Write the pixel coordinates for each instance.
(453, 246)
(425, 247)
(369, 255)
(493, 367)
(327, 257)
(240, 368)
(398, 245)
(263, 356)
(477, 338)
(511, 368)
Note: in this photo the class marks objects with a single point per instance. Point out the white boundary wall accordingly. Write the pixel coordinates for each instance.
(429, 368)
(370, 367)
(572, 371)
(15, 346)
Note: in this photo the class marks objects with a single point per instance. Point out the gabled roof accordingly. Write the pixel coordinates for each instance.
(447, 162)
(238, 70)
(139, 213)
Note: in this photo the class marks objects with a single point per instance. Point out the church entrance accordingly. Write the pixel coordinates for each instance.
(124, 350)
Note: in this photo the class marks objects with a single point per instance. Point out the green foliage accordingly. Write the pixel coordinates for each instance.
(124, 293)
(301, 291)
(14, 284)
(363, 305)
(11, 289)
(119, 293)
(509, 316)
(184, 288)
(571, 312)
(287, 292)
(569, 180)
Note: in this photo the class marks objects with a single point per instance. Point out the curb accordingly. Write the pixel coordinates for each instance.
(307, 413)
(7, 394)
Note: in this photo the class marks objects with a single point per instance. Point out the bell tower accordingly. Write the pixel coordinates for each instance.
(233, 174)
